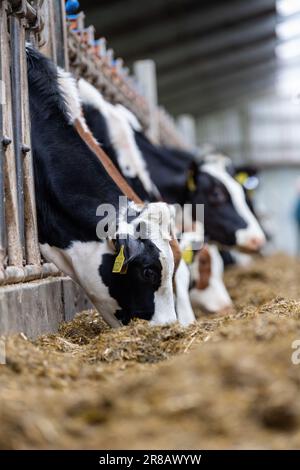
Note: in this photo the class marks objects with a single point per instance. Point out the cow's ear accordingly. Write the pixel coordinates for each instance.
(130, 247)
(192, 177)
(195, 166)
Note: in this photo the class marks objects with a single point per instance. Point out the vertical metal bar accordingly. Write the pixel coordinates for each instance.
(48, 47)
(30, 219)
(2, 156)
(14, 248)
(15, 36)
(2, 197)
(61, 34)
(52, 31)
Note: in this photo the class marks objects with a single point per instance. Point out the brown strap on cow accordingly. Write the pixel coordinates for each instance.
(109, 166)
(116, 176)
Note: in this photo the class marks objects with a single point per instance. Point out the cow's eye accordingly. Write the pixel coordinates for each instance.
(150, 275)
(218, 196)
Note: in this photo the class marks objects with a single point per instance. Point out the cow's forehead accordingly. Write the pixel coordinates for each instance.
(217, 159)
(221, 173)
(196, 236)
(158, 219)
(151, 215)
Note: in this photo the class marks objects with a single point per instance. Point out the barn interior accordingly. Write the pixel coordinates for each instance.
(233, 68)
(208, 76)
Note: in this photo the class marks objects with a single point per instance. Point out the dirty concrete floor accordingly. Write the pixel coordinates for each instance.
(225, 382)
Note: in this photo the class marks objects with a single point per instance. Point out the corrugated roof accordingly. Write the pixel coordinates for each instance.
(209, 54)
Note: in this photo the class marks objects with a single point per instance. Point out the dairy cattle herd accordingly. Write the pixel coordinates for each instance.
(130, 268)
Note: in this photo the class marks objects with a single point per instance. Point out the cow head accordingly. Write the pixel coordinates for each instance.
(130, 274)
(142, 286)
(123, 274)
(228, 218)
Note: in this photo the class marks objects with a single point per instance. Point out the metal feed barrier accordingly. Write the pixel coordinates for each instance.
(34, 307)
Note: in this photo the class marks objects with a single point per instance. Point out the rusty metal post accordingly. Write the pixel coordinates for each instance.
(2, 176)
(22, 17)
(47, 43)
(61, 34)
(32, 250)
(14, 246)
(15, 38)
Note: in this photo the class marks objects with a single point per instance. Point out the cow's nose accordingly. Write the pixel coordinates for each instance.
(255, 243)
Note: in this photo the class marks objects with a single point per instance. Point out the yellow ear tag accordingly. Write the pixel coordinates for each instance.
(241, 177)
(191, 182)
(187, 255)
(119, 263)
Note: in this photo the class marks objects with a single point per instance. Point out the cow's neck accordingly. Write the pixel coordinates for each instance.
(70, 184)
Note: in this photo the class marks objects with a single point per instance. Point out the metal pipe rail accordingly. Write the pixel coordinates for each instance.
(23, 9)
(89, 58)
(20, 258)
(43, 22)
(16, 274)
(84, 63)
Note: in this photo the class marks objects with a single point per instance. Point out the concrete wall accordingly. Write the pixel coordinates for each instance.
(39, 307)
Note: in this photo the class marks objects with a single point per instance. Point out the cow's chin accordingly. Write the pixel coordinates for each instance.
(247, 250)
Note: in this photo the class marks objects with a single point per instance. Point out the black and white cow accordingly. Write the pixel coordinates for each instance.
(71, 184)
(224, 201)
(228, 218)
(112, 125)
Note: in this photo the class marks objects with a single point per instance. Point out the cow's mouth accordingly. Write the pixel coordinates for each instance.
(251, 245)
(125, 316)
(248, 250)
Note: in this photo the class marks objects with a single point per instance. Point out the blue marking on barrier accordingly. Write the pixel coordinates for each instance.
(72, 6)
